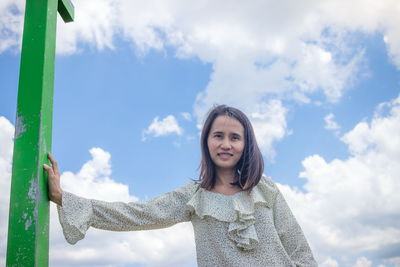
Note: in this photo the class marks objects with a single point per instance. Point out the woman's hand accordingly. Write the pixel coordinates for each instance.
(55, 192)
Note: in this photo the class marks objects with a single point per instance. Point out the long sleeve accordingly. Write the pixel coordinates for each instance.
(77, 214)
(291, 235)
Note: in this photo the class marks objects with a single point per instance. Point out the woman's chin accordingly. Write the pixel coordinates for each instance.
(226, 167)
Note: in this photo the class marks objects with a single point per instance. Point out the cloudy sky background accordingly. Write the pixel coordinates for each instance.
(319, 79)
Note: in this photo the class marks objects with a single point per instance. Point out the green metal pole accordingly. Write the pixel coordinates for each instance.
(28, 225)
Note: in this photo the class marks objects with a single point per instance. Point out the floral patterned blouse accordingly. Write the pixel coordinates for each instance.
(256, 229)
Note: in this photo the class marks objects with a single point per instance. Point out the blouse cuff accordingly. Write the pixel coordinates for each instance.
(74, 216)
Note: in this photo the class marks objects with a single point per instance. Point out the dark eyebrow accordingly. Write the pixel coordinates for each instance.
(221, 132)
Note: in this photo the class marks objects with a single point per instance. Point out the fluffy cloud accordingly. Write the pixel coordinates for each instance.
(329, 262)
(94, 25)
(330, 124)
(11, 24)
(102, 248)
(351, 206)
(187, 116)
(367, 16)
(381, 135)
(167, 247)
(395, 261)
(363, 262)
(168, 125)
(94, 180)
(290, 49)
(269, 122)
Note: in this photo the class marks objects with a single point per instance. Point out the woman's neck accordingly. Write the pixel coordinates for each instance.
(225, 178)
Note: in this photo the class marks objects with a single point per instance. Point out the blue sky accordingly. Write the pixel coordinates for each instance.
(319, 81)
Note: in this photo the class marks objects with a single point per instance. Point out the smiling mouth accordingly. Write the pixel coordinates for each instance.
(225, 154)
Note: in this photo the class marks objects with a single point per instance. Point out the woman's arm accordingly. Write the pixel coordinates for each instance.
(77, 214)
(291, 235)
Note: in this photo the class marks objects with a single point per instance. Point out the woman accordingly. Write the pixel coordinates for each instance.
(239, 216)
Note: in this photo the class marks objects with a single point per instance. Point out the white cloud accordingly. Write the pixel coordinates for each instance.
(168, 125)
(362, 262)
(316, 70)
(187, 116)
(286, 48)
(381, 135)
(102, 248)
(395, 261)
(94, 180)
(330, 124)
(367, 16)
(11, 24)
(351, 206)
(95, 24)
(269, 122)
(329, 262)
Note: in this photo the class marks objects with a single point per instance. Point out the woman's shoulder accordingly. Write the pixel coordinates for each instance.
(189, 189)
(267, 183)
(265, 191)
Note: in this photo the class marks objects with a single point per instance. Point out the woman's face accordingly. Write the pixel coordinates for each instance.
(226, 142)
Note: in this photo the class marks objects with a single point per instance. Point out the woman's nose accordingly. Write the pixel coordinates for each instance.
(226, 144)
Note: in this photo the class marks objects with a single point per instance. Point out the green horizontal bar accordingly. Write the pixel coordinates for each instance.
(66, 10)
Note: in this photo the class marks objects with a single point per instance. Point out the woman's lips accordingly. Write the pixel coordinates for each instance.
(224, 155)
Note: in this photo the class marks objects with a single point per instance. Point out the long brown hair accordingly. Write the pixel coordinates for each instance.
(249, 168)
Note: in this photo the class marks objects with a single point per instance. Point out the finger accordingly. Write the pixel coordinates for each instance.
(55, 167)
(50, 157)
(53, 163)
(48, 169)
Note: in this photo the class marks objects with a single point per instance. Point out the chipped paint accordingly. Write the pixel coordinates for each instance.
(36, 212)
(28, 223)
(19, 127)
(31, 198)
(32, 190)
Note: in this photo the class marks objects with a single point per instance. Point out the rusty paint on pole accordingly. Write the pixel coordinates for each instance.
(28, 225)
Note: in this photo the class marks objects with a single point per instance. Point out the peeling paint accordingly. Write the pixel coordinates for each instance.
(19, 127)
(32, 195)
(23, 217)
(36, 212)
(28, 223)
(32, 190)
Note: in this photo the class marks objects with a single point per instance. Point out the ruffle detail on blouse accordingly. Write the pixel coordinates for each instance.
(74, 216)
(237, 210)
